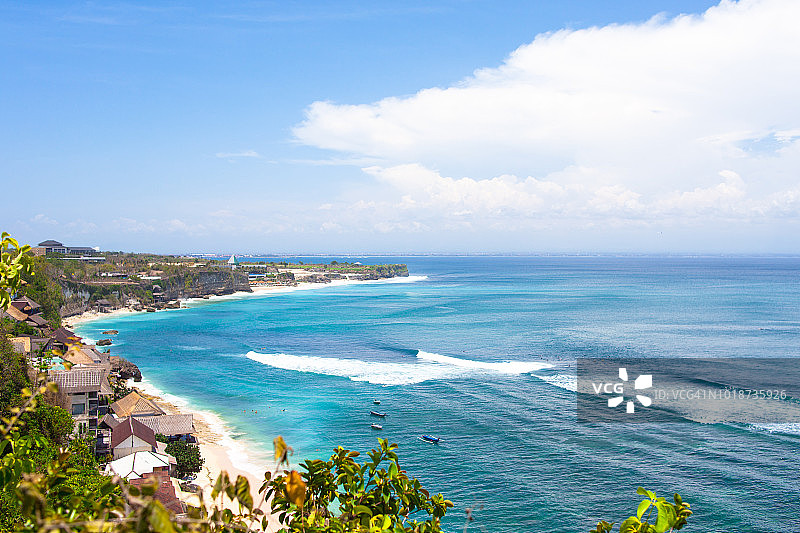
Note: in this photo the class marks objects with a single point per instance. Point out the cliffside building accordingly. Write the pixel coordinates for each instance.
(84, 387)
(135, 405)
(55, 247)
(130, 436)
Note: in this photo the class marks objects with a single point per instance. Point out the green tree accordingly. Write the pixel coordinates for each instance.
(44, 290)
(13, 375)
(81, 486)
(187, 455)
(51, 421)
(343, 495)
(15, 262)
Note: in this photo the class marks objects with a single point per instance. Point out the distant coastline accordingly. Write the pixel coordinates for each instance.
(257, 291)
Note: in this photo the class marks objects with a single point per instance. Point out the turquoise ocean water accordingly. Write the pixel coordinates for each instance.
(459, 350)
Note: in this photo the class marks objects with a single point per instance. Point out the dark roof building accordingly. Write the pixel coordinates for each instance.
(132, 427)
(37, 321)
(65, 336)
(108, 422)
(26, 305)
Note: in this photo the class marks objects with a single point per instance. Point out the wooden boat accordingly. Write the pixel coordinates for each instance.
(376, 426)
(429, 438)
(376, 413)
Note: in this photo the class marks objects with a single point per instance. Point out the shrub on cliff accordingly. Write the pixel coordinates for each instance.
(43, 289)
(13, 375)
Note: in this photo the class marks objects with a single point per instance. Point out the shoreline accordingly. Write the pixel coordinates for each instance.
(219, 450)
(219, 447)
(258, 290)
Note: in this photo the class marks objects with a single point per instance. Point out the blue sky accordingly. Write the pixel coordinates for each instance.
(459, 126)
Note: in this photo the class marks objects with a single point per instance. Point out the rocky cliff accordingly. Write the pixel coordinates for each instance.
(196, 284)
(80, 296)
(125, 368)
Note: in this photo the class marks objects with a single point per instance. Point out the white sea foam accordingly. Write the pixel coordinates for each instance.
(789, 428)
(428, 366)
(505, 367)
(261, 291)
(563, 381)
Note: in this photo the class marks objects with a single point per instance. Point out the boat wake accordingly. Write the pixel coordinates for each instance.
(427, 366)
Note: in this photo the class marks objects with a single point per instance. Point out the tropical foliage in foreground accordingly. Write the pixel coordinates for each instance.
(666, 516)
(371, 497)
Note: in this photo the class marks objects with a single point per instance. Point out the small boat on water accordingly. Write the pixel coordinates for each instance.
(376, 426)
(376, 413)
(376, 402)
(428, 438)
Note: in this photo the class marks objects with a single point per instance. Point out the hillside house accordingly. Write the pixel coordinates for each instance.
(86, 389)
(130, 436)
(140, 468)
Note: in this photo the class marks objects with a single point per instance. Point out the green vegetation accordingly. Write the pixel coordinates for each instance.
(43, 288)
(187, 455)
(15, 262)
(376, 495)
(13, 376)
(668, 516)
(365, 271)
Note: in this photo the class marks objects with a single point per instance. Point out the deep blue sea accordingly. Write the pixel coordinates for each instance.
(459, 353)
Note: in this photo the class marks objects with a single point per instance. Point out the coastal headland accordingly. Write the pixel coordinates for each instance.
(112, 281)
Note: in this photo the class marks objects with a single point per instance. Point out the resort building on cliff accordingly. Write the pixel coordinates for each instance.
(64, 338)
(26, 311)
(83, 387)
(130, 436)
(55, 247)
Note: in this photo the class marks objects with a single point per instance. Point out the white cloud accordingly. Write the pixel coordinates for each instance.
(44, 219)
(631, 122)
(238, 155)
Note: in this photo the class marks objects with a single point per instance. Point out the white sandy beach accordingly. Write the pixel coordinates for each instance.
(258, 290)
(219, 454)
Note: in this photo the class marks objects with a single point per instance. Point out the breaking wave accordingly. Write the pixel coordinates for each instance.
(428, 366)
(563, 381)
